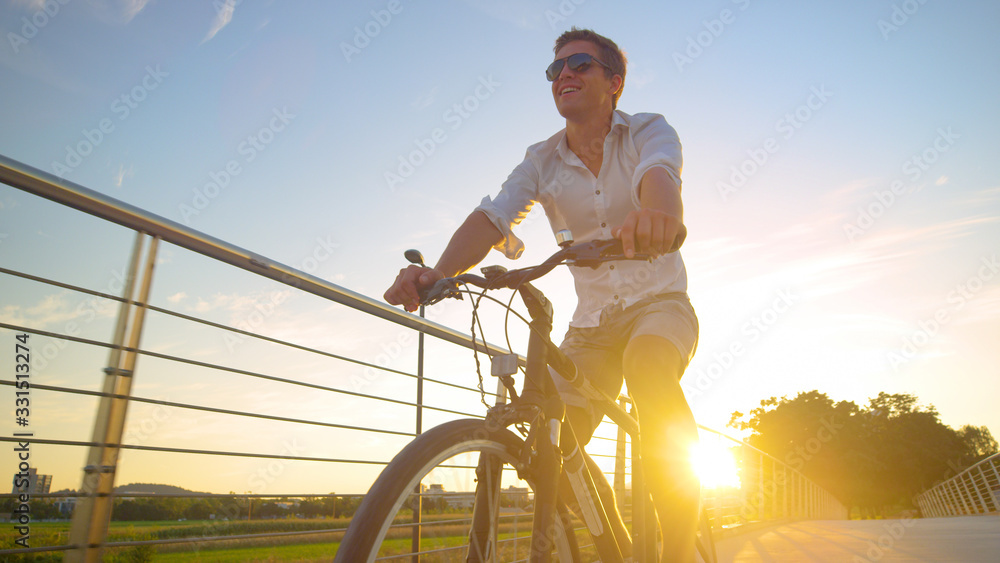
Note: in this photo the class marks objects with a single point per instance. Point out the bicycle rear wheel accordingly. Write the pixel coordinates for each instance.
(442, 462)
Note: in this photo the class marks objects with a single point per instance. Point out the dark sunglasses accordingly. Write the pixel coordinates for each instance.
(578, 62)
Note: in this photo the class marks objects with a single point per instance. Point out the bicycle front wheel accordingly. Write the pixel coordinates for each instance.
(441, 463)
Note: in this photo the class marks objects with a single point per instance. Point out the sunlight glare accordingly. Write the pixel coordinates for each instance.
(714, 465)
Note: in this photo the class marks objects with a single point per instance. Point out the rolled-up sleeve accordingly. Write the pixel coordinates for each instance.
(518, 193)
(658, 147)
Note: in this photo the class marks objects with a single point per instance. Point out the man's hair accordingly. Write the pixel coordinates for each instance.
(609, 52)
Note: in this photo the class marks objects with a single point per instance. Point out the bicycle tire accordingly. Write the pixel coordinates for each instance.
(369, 526)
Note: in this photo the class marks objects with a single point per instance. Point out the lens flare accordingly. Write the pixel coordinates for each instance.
(715, 465)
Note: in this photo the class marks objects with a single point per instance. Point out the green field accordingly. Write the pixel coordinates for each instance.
(303, 546)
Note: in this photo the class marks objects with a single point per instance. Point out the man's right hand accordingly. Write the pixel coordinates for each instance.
(404, 290)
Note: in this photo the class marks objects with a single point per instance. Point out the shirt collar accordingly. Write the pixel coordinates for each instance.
(619, 120)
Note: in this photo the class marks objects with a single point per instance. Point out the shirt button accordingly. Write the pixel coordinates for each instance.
(612, 266)
(616, 298)
(598, 192)
(604, 224)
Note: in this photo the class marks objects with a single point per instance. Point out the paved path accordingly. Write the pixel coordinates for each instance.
(961, 538)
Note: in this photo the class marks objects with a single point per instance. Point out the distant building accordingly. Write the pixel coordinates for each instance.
(436, 493)
(515, 496)
(37, 484)
(66, 505)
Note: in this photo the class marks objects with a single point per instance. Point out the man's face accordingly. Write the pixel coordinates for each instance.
(579, 94)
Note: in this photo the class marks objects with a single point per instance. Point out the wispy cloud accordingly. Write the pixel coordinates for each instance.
(981, 198)
(117, 11)
(521, 13)
(223, 16)
(109, 11)
(639, 75)
(129, 9)
(425, 100)
(28, 5)
(53, 311)
(121, 174)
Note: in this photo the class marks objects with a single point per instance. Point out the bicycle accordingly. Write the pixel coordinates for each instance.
(557, 470)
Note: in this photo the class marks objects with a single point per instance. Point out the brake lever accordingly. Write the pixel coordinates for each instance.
(441, 290)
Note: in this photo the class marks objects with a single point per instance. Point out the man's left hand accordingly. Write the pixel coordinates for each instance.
(650, 231)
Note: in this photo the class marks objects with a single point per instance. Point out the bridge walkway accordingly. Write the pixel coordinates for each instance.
(960, 538)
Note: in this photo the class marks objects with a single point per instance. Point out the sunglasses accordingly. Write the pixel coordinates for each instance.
(578, 62)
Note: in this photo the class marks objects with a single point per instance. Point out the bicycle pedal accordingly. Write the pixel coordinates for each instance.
(503, 365)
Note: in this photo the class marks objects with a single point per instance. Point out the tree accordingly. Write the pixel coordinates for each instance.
(311, 508)
(199, 509)
(873, 458)
(808, 433)
(979, 442)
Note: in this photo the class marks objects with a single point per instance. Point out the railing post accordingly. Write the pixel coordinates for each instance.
(760, 487)
(979, 494)
(996, 492)
(966, 495)
(957, 505)
(92, 514)
(774, 495)
(933, 504)
(786, 508)
(939, 502)
(796, 494)
(800, 490)
(418, 505)
(923, 505)
(942, 502)
(927, 508)
(806, 500)
(953, 499)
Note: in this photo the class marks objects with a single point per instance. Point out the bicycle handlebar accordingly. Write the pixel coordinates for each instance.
(587, 254)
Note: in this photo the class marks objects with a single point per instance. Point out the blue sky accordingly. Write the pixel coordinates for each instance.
(840, 181)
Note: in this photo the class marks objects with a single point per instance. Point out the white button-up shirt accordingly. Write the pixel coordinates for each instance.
(590, 207)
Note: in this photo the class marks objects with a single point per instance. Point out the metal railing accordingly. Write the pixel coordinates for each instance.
(976, 490)
(768, 489)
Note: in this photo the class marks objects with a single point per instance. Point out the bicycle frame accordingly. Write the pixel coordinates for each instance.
(552, 459)
(547, 454)
(559, 468)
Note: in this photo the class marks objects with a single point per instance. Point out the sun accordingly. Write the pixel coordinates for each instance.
(714, 465)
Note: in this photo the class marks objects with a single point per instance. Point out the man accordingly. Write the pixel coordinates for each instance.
(607, 174)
